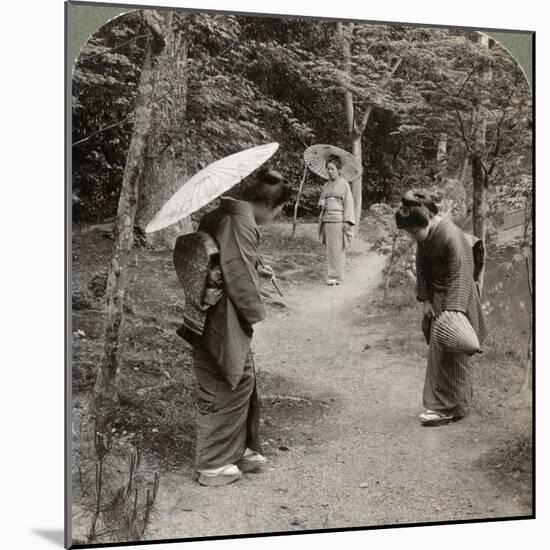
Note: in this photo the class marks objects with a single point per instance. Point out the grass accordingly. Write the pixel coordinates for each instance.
(156, 387)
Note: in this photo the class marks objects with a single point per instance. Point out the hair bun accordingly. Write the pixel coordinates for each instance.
(420, 197)
(272, 177)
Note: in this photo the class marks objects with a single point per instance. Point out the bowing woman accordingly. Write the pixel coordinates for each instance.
(445, 282)
(227, 403)
(336, 220)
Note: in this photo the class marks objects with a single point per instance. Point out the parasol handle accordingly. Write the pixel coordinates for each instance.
(273, 279)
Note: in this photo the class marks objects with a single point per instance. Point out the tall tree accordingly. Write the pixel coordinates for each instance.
(105, 387)
(370, 56)
(479, 179)
(165, 166)
(475, 94)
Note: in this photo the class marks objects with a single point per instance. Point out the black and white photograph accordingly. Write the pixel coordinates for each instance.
(300, 274)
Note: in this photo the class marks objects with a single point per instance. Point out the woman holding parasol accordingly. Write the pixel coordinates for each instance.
(445, 282)
(337, 216)
(227, 402)
(228, 408)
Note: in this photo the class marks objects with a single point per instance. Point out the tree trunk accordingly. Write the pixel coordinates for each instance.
(357, 185)
(357, 128)
(105, 388)
(345, 50)
(390, 267)
(479, 178)
(527, 377)
(354, 135)
(442, 155)
(479, 210)
(464, 168)
(295, 219)
(165, 164)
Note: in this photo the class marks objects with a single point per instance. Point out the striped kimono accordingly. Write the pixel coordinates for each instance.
(445, 276)
(337, 217)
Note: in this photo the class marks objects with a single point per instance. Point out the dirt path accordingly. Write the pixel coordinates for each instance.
(364, 459)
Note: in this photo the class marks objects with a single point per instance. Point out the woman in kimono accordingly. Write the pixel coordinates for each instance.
(445, 282)
(336, 221)
(227, 403)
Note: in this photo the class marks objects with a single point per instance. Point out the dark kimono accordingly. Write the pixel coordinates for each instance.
(445, 276)
(227, 406)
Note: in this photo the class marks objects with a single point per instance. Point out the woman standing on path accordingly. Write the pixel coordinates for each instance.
(445, 282)
(336, 221)
(227, 404)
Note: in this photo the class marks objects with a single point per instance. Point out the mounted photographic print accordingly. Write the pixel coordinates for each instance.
(300, 274)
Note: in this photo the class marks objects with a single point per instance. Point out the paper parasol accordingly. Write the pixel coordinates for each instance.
(209, 184)
(316, 158)
(453, 331)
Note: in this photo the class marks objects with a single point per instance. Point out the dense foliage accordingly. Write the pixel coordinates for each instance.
(250, 80)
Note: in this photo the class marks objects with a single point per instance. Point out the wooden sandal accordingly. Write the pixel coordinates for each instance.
(434, 418)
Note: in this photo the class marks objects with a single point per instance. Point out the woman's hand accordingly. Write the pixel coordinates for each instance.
(265, 271)
(349, 234)
(428, 309)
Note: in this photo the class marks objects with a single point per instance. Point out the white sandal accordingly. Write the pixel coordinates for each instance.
(216, 477)
(434, 418)
(251, 461)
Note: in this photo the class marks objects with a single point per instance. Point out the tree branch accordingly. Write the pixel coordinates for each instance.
(498, 142)
(442, 89)
(223, 52)
(364, 120)
(120, 123)
(467, 79)
(394, 68)
(111, 50)
(462, 129)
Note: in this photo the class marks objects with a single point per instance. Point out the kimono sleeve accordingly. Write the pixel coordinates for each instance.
(423, 291)
(460, 274)
(323, 196)
(349, 205)
(238, 242)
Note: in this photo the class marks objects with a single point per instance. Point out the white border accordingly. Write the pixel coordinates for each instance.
(33, 267)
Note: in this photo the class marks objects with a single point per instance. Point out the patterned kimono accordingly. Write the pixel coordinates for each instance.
(337, 214)
(227, 404)
(445, 276)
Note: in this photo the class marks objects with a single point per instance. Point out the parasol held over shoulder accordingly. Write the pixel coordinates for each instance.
(209, 183)
(205, 186)
(316, 158)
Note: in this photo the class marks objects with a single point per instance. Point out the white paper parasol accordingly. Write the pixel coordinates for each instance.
(316, 158)
(453, 331)
(210, 183)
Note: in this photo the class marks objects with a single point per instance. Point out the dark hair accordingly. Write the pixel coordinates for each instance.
(269, 188)
(412, 216)
(420, 198)
(334, 159)
(416, 210)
